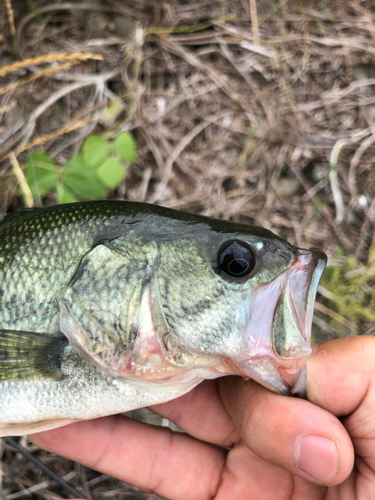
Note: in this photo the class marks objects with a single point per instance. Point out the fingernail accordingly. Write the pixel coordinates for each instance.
(318, 457)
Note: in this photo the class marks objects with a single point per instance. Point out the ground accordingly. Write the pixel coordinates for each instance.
(258, 111)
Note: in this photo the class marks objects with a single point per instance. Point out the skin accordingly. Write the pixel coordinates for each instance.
(263, 430)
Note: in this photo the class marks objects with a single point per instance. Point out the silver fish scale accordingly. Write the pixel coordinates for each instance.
(85, 392)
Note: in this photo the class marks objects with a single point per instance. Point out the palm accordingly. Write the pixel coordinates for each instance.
(256, 432)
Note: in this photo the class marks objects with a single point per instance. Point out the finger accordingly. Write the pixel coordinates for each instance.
(341, 379)
(201, 414)
(340, 372)
(291, 433)
(152, 458)
(247, 476)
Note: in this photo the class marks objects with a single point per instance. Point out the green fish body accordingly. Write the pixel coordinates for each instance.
(110, 306)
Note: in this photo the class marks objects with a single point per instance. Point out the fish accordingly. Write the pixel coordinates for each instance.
(109, 306)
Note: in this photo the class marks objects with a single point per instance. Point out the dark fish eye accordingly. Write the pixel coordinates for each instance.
(236, 259)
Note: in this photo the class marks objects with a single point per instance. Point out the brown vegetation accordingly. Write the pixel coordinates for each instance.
(262, 112)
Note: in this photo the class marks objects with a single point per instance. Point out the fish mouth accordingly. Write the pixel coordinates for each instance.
(279, 328)
(293, 314)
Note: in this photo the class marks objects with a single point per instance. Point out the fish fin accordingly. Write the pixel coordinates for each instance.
(20, 429)
(11, 217)
(30, 355)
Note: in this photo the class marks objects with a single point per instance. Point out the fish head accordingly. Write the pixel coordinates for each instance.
(245, 307)
(190, 301)
(277, 329)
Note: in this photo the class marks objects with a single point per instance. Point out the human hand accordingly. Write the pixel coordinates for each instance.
(280, 448)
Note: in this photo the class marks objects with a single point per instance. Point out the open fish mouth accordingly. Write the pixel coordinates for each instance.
(292, 322)
(293, 314)
(279, 328)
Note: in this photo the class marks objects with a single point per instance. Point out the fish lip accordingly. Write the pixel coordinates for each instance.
(321, 261)
(311, 263)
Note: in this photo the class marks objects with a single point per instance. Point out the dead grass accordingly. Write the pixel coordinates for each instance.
(264, 114)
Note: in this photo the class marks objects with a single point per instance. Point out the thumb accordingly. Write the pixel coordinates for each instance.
(340, 374)
(341, 379)
(291, 433)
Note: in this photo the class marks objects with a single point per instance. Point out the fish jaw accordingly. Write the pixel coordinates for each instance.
(279, 328)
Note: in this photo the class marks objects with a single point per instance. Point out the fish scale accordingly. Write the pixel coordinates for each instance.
(46, 247)
(110, 306)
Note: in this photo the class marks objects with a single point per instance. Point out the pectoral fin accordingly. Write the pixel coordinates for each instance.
(30, 355)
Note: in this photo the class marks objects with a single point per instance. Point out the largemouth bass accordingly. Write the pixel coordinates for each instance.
(110, 306)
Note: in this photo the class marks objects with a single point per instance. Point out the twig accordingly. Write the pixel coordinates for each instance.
(172, 158)
(187, 28)
(10, 17)
(273, 10)
(25, 190)
(56, 133)
(337, 317)
(327, 294)
(63, 6)
(370, 218)
(333, 162)
(49, 58)
(354, 164)
(254, 21)
(98, 80)
(263, 51)
(27, 491)
(211, 72)
(45, 72)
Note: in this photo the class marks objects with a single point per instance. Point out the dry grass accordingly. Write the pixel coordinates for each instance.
(266, 115)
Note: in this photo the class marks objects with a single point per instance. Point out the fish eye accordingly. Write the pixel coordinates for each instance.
(236, 258)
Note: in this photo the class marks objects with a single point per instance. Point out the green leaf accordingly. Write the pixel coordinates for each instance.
(41, 173)
(82, 180)
(111, 173)
(126, 147)
(64, 196)
(76, 164)
(95, 150)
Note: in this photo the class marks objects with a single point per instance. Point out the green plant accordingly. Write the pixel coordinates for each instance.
(351, 285)
(101, 166)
